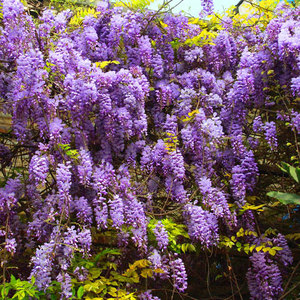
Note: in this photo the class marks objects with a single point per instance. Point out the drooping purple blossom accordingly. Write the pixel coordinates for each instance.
(42, 265)
(10, 245)
(38, 168)
(7, 201)
(295, 121)
(83, 211)
(161, 235)
(238, 184)
(101, 213)
(145, 50)
(179, 274)
(270, 134)
(264, 278)
(63, 179)
(85, 240)
(147, 296)
(55, 128)
(55, 91)
(214, 199)
(207, 6)
(202, 225)
(285, 255)
(12, 9)
(139, 237)
(257, 124)
(85, 168)
(65, 280)
(158, 65)
(81, 273)
(194, 55)
(102, 177)
(116, 210)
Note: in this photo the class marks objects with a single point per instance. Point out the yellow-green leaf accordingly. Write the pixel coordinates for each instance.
(272, 252)
(258, 248)
(266, 249)
(147, 273)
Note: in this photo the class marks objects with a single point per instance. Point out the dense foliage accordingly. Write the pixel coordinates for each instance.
(141, 150)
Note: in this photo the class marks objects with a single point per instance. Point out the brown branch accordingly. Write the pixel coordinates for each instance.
(287, 284)
(237, 7)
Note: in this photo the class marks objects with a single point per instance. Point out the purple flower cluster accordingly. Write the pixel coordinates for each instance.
(202, 225)
(148, 296)
(11, 245)
(61, 250)
(264, 278)
(214, 199)
(85, 168)
(117, 211)
(161, 236)
(83, 210)
(285, 255)
(42, 265)
(63, 178)
(270, 134)
(153, 126)
(207, 6)
(179, 274)
(38, 168)
(66, 284)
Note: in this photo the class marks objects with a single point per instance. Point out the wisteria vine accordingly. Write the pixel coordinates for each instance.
(128, 123)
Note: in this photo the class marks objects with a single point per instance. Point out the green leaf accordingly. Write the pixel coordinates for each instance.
(293, 236)
(266, 249)
(95, 272)
(295, 173)
(284, 167)
(191, 248)
(80, 292)
(4, 291)
(272, 252)
(184, 247)
(20, 295)
(31, 292)
(147, 273)
(240, 232)
(53, 297)
(258, 248)
(103, 64)
(13, 279)
(285, 198)
(292, 171)
(277, 248)
(106, 252)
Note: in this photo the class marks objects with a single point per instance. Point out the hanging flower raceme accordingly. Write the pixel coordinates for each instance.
(123, 119)
(264, 278)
